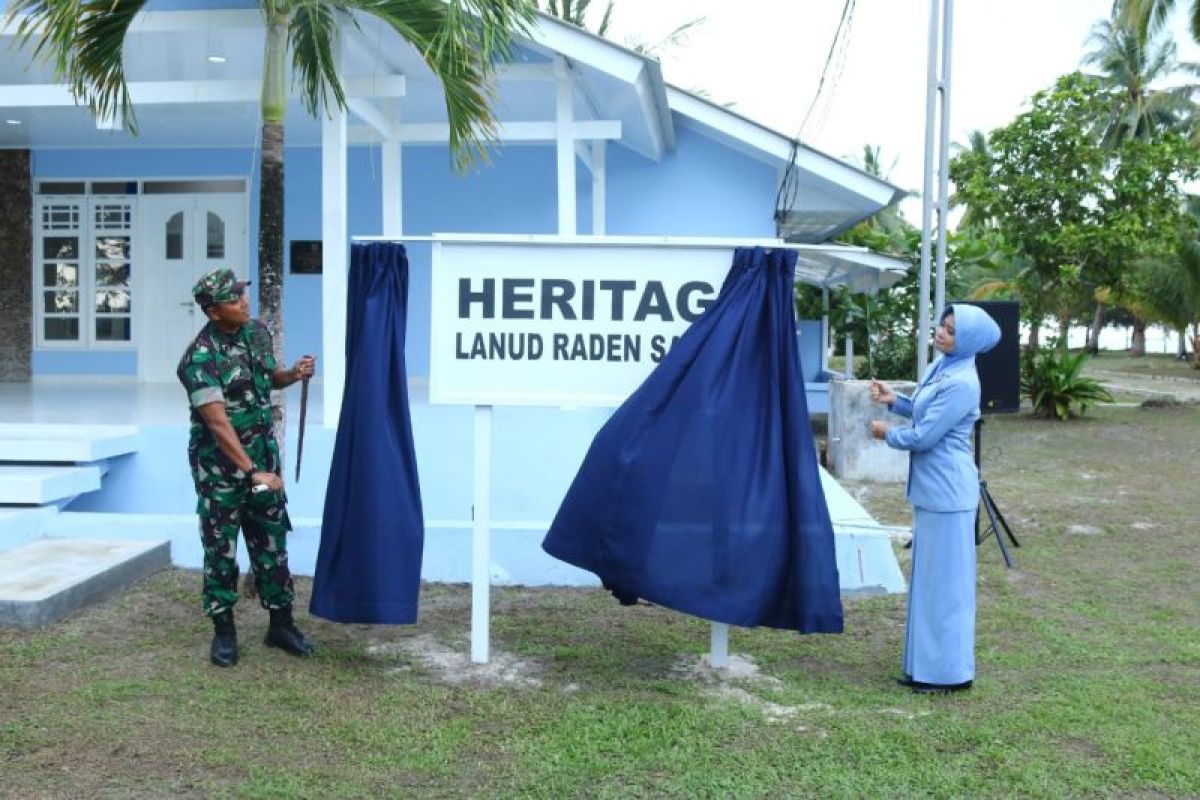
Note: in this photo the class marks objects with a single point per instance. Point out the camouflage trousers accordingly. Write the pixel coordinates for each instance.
(263, 520)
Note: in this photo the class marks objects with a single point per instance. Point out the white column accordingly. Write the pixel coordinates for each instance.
(599, 188)
(565, 146)
(392, 167)
(335, 266)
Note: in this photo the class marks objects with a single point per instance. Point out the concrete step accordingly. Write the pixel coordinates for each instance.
(65, 444)
(44, 581)
(36, 485)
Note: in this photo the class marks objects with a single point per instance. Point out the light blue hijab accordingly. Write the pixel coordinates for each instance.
(975, 332)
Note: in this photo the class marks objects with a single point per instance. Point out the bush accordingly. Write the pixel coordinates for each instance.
(893, 358)
(1053, 382)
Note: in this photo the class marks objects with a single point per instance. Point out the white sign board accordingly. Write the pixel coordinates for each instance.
(575, 321)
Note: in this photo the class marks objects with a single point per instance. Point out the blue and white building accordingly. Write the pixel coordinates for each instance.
(593, 142)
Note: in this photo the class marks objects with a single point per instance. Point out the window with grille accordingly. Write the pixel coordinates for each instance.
(84, 294)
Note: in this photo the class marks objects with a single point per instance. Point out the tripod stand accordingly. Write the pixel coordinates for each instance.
(996, 521)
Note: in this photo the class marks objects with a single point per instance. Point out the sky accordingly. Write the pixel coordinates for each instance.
(766, 57)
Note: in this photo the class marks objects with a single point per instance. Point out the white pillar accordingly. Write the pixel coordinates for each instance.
(335, 266)
(392, 169)
(565, 146)
(599, 188)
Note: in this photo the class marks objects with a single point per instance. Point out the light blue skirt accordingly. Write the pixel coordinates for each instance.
(939, 637)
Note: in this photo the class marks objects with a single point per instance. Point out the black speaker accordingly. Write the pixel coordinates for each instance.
(1000, 368)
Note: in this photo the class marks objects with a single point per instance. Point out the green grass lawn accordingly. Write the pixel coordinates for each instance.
(1151, 365)
(1088, 656)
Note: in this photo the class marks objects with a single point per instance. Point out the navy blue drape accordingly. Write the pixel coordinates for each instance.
(701, 493)
(373, 530)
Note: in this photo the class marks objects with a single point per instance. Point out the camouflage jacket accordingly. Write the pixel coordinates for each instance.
(234, 370)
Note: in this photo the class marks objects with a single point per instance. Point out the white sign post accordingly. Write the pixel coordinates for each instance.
(557, 321)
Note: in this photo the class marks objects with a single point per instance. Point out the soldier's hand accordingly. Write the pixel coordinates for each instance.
(268, 479)
(305, 367)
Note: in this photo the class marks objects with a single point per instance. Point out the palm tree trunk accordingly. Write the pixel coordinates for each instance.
(270, 198)
(1093, 340)
(1064, 330)
(1035, 336)
(16, 327)
(270, 250)
(1137, 348)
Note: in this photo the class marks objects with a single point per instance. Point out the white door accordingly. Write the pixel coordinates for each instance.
(183, 236)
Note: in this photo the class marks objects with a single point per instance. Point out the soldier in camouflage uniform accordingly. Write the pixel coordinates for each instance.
(229, 371)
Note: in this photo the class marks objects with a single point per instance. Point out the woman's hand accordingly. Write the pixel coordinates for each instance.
(882, 393)
(878, 428)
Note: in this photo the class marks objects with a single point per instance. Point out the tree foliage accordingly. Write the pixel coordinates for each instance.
(1078, 213)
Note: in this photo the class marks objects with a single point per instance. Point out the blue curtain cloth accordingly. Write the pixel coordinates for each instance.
(373, 531)
(701, 493)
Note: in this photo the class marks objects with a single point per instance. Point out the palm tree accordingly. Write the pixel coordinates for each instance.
(1131, 58)
(1148, 17)
(1129, 67)
(575, 12)
(460, 41)
(1167, 287)
(976, 154)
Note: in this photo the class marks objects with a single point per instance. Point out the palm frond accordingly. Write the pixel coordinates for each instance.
(85, 40)
(606, 20)
(311, 34)
(49, 25)
(461, 41)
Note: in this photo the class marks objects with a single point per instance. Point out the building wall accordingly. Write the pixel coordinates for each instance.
(700, 189)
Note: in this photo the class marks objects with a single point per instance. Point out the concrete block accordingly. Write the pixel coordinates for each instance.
(26, 484)
(853, 454)
(65, 444)
(44, 581)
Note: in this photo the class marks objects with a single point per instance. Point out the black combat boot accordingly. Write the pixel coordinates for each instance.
(284, 634)
(224, 650)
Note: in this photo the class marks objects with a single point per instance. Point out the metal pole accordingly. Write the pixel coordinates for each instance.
(481, 538)
(718, 656)
(943, 161)
(927, 194)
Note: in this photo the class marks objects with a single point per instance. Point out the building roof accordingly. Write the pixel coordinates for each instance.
(194, 80)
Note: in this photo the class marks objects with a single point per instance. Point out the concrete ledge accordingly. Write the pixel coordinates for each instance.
(66, 444)
(38, 485)
(46, 580)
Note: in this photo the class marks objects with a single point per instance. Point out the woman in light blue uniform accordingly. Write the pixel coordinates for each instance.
(943, 488)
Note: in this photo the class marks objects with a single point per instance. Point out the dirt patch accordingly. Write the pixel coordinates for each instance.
(454, 665)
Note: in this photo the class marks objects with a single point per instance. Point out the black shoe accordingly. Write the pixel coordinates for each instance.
(940, 688)
(906, 681)
(224, 649)
(284, 634)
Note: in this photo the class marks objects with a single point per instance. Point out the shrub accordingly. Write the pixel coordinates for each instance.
(1053, 382)
(893, 358)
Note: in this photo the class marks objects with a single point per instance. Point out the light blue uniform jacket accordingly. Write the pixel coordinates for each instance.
(941, 470)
